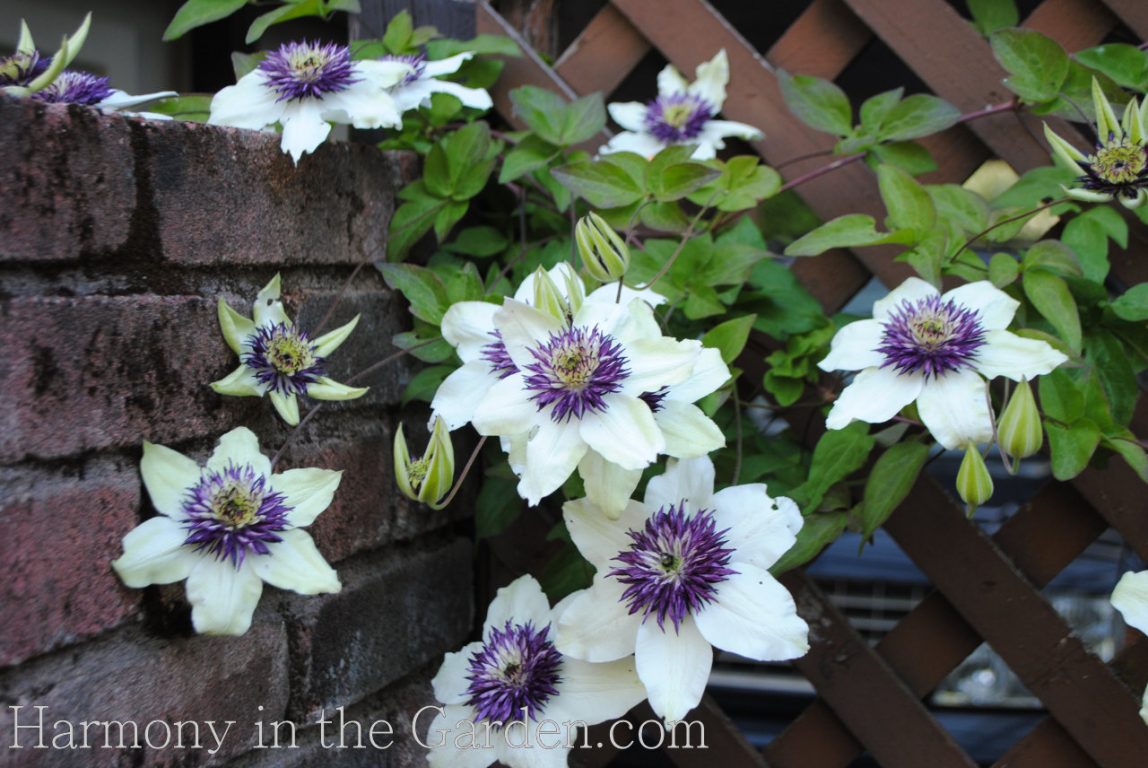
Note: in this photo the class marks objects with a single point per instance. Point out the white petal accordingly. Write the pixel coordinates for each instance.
(707, 147)
(506, 409)
(912, 290)
(475, 98)
(523, 327)
(382, 75)
(617, 320)
(673, 666)
(754, 616)
(876, 395)
(235, 327)
(304, 128)
(326, 388)
(562, 274)
(709, 374)
(597, 625)
(287, 406)
(639, 143)
(609, 294)
(168, 475)
(519, 602)
(625, 433)
(459, 392)
(608, 486)
(446, 66)
(121, 100)
(267, 309)
(689, 480)
(594, 693)
(996, 307)
(413, 95)
(469, 327)
(955, 409)
(450, 683)
(715, 130)
(240, 383)
(296, 564)
(1131, 598)
(551, 456)
(631, 115)
(855, 347)
(222, 597)
(656, 363)
(154, 554)
(308, 492)
(761, 529)
(712, 77)
(363, 106)
(670, 81)
(247, 104)
(598, 537)
(239, 446)
(1006, 354)
(688, 431)
(446, 728)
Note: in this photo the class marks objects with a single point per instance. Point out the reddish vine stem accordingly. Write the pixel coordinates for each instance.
(465, 471)
(819, 172)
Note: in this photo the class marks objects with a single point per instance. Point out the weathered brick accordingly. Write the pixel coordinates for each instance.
(66, 184)
(130, 676)
(400, 608)
(60, 533)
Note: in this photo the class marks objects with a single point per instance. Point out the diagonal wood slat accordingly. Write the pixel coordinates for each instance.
(1134, 13)
(603, 53)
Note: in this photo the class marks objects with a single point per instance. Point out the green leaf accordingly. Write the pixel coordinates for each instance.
(243, 63)
(478, 242)
(1051, 297)
(493, 45)
(555, 121)
(677, 180)
(890, 481)
(783, 306)
(965, 213)
(1088, 234)
(819, 531)
(1111, 363)
(917, 116)
(602, 184)
(411, 220)
(1133, 304)
(875, 109)
(567, 571)
(848, 231)
(744, 182)
(818, 103)
(425, 383)
(909, 156)
(582, 120)
(447, 217)
(1060, 397)
(1132, 453)
(296, 10)
(1037, 65)
(497, 505)
(422, 288)
(662, 217)
(397, 37)
(1126, 64)
(1052, 256)
(907, 202)
(1071, 447)
(1003, 270)
(729, 337)
(528, 155)
(991, 15)
(194, 107)
(838, 454)
(196, 13)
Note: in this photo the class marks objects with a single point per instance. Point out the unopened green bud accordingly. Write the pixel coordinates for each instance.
(603, 251)
(974, 483)
(429, 478)
(549, 298)
(1019, 428)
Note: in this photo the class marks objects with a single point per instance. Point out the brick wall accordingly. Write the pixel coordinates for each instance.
(117, 236)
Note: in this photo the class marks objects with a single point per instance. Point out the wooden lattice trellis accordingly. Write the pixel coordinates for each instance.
(870, 699)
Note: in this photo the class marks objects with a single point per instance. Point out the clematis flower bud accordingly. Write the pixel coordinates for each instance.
(427, 479)
(603, 252)
(1019, 429)
(549, 298)
(974, 483)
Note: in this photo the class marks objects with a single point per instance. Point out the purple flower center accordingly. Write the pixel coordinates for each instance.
(931, 336)
(574, 370)
(22, 68)
(517, 668)
(308, 70)
(495, 353)
(284, 359)
(75, 88)
(673, 564)
(417, 62)
(678, 117)
(233, 513)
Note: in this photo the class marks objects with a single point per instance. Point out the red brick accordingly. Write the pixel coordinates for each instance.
(66, 185)
(131, 676)
(400, 608)
(60, 534)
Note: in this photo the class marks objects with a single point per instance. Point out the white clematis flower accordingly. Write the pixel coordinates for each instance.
(84, 88)
(683, 113)
(684, 570)
(1130, 597)
(227, 528)
(306, 86)
(513, 685)
(418, 85)
(279, 359)
(937, 350)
